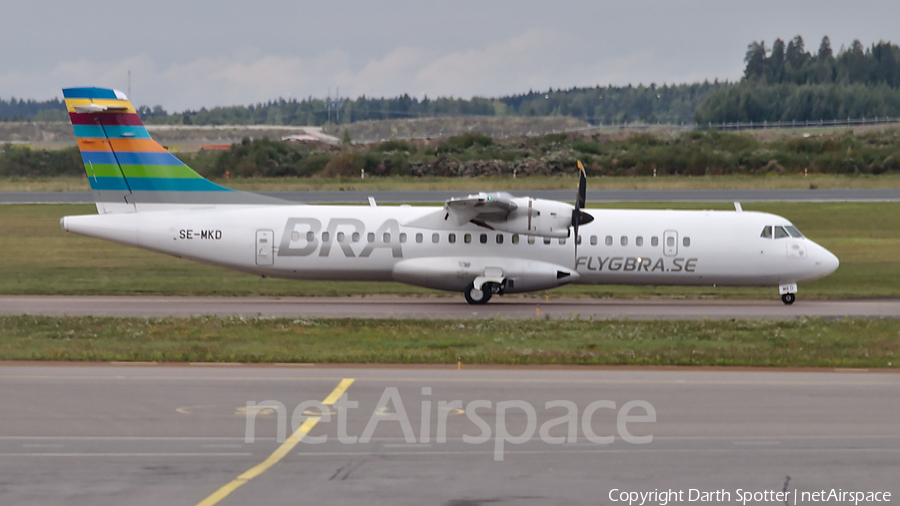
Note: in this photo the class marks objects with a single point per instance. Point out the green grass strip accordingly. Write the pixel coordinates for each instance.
(816, 342)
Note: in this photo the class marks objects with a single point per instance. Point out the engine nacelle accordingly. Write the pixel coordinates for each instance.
(539, 217)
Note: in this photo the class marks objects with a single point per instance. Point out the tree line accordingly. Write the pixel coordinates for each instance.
(609, 104)
(595, 105)
(32, 110)
(792, 64)
(788, 83)
(782, 83)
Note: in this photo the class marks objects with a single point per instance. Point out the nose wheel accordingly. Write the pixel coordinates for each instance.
(788, 293)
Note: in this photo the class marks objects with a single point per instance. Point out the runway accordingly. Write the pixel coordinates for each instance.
(450, 307)
(437, 196)
(103, 434)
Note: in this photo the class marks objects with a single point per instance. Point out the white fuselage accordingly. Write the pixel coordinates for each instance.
(378, 244)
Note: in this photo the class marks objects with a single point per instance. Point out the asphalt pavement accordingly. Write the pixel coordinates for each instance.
(451, 307)
(99, 434)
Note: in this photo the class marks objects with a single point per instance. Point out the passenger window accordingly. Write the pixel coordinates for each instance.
(402, 237)
(767, 232)
(370, 237)
(451, 238)
(654, 241)
(499, 238)
(482, 239)
(355, 237)
(546, 240)
(515, 239)
(310, 236)
(325, 236)
(609, 240)
(578, 240)
(467, 238)
(386, 237)
(670, 241)
(435, 238)
(530, 239)
(686, 241)
(562, 241)
(793, 231)
(638, 241)
(780, 232)
(593, 240)
(340, 237)
(624, 240)
(419, 238)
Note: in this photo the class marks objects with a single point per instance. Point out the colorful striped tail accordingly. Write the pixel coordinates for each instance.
(126, 168)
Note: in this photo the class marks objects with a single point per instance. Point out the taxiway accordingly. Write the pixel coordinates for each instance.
(101, 434)
(451, 307)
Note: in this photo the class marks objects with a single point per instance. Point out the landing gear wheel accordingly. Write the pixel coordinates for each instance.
(788, 298)
(478, 296)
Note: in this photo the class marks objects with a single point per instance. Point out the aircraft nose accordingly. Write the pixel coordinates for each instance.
(826, 261)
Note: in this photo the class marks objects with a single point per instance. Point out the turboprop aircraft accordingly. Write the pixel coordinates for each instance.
(482, 245)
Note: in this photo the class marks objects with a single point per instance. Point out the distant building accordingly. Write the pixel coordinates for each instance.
(301, 138)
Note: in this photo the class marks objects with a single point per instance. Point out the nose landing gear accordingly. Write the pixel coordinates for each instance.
(788, 293)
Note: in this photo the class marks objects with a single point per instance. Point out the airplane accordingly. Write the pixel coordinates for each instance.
(482, 245)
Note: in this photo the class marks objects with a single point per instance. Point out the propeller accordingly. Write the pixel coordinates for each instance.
(580, 217)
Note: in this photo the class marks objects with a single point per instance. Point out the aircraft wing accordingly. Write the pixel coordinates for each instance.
(480, 207)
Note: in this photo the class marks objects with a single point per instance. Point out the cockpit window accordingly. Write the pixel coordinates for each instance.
(793, 231)
(780, 231)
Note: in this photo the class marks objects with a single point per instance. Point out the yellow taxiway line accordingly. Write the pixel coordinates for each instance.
(279, 452)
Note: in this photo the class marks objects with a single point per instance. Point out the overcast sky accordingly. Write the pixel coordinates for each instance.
(190, 54)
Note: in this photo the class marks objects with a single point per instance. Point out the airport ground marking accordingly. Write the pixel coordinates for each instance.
(279, 452)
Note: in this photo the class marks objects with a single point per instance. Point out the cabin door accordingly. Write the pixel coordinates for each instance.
(670, 243)
(264, 247)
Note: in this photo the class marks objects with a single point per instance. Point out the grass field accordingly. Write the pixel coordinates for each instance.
(800, 343)
(770, 182)
(37, 257)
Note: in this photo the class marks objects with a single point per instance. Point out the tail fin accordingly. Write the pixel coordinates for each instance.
(127, 169)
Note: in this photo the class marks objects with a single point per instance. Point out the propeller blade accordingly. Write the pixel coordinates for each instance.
(579, 217)
(581, 199)
(576, 238)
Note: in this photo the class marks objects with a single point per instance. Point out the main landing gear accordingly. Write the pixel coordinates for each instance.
(788, 298)
(481, 295)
